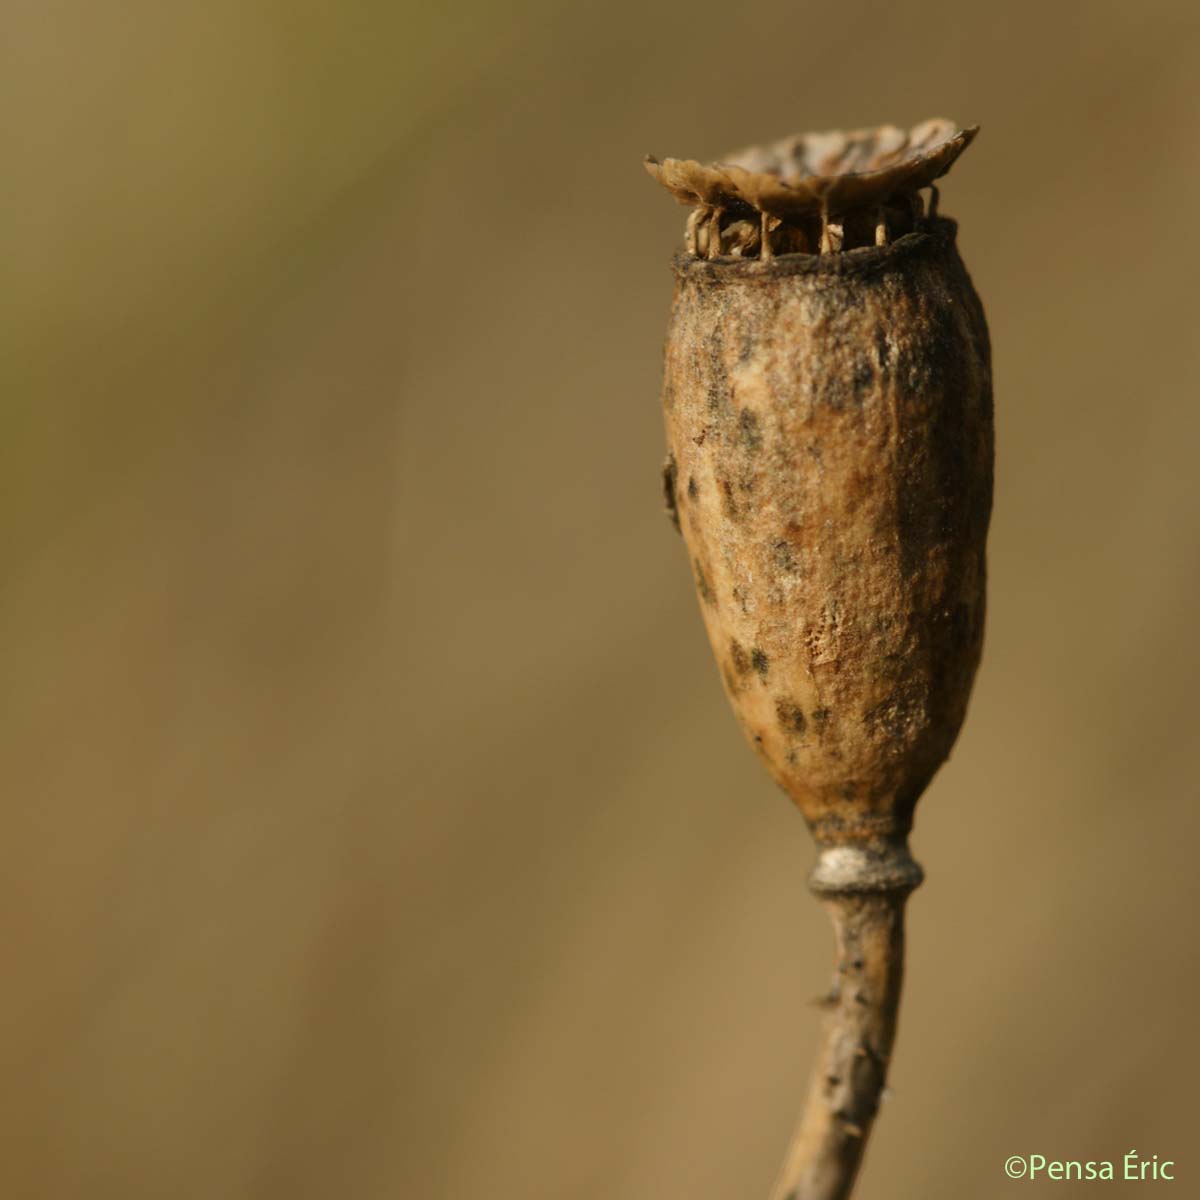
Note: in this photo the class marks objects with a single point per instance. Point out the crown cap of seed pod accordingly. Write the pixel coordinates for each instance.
(807, 172)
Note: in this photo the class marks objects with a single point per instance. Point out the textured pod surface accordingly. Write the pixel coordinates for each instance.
(829, 422)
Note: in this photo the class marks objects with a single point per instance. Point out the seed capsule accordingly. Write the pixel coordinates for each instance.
(828, 408)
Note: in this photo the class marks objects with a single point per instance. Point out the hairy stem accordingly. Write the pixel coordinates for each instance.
(865, 895)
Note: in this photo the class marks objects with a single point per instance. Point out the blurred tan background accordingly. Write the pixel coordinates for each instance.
(376, 826)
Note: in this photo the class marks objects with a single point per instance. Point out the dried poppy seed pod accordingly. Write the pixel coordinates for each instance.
(830, 447)
(828, 408)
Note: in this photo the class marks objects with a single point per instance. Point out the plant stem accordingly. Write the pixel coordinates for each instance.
(865, 894)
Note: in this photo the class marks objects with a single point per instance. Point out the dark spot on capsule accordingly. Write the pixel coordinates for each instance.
(749, 433)
(892, 718)
(669, 474)
(739, 595)
(759, 661)
(785, 557)
(832, 390)
(737, 656)
(789, 716)
(820, 719)
(702, 584)
(864, 377)
(728, 503)
(692, 490)
(883, 352)
(718, 385)
(746, 348)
